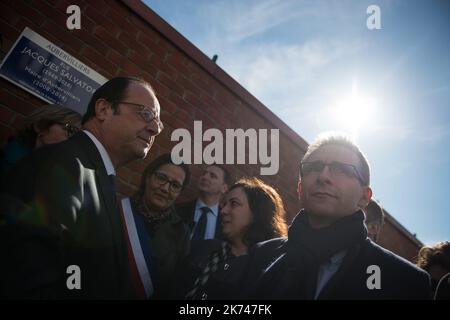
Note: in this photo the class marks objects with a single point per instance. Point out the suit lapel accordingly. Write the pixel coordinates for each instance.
(191, 211)
(108, 202)
(218, 233)
(118, 231)
(335, 284)
(105, 189)
(186, 211)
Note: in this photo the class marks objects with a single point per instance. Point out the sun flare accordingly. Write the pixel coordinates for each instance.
(354, 112)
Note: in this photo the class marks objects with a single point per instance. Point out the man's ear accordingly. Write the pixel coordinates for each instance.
(372, 228)
(299, 188)
(102, 108)
(365, 198)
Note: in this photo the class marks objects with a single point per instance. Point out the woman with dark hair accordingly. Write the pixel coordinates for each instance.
(435, 259)
(164, 237)
(252, 211)
(47, 124)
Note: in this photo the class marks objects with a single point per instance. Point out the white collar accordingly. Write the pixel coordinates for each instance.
(338, 257)
(214, 208)
(103, 153)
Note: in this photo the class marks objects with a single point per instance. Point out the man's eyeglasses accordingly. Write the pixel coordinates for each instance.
(70, 129)
(336, 168)
(145, 113)
(162, 179)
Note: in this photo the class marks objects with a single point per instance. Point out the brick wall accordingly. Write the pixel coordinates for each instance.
(127, 38)
(399, 240)
(115, 40)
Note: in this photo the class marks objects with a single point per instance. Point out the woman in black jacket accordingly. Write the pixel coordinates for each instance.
(252, 211)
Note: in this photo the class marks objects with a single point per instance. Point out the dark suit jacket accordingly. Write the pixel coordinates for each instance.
(67, 186)
(186, 211)
(400, 279)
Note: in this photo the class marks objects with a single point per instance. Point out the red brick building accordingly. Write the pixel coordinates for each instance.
(125, 37)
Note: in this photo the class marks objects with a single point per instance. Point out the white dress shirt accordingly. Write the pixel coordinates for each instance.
(103, 153)
(327, 271)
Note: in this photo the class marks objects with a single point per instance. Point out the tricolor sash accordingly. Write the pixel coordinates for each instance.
(139, 254)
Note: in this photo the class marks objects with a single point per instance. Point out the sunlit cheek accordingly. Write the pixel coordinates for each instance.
(351, 202)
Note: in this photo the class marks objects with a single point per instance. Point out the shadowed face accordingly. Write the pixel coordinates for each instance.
(127, 134)
(329, 194)
(212, 181)
(164, 186)
(236, 214)
(57, 132)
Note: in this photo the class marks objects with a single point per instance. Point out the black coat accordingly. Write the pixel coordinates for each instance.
(400, 279)
(442, 291)
(67, 186)
(223, 284)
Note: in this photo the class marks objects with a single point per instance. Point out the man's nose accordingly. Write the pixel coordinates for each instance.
(204, 176)
(153, 128)
(165, 187)
(325, 174)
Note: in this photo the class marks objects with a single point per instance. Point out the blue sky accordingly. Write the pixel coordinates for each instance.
(315, 64)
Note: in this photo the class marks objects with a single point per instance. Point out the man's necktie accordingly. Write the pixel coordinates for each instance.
(200, 227)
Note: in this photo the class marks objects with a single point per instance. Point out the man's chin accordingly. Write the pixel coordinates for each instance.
(321, 209)
(142, 153)
(158, 205)
(202, 188)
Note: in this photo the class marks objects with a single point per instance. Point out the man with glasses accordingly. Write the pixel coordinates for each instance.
(71, 188)
(327, 254)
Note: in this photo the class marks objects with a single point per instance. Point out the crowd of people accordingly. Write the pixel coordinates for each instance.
(66, 234)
